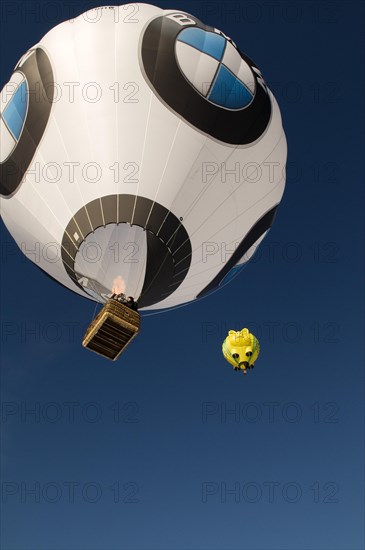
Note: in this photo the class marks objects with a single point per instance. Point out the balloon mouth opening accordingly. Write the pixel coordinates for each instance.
(145, 253)
(111, 260)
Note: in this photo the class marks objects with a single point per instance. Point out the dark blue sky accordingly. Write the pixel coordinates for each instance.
(169, 448)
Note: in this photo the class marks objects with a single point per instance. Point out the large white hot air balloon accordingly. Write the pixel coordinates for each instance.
(141, 151)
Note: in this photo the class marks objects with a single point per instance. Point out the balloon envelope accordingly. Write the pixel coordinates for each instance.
(141, 152)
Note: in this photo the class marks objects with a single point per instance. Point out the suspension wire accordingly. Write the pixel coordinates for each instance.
(96, 305)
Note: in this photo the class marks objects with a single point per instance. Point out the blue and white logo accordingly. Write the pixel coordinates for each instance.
(214, 67)
(13, 114)
(25, 106)
(199, 74)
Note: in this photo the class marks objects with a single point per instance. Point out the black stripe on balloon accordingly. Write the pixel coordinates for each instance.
(39, 75)
(168, 243)
(255, 233)
(236, 127)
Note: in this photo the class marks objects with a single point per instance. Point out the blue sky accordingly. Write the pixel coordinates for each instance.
(169, 448)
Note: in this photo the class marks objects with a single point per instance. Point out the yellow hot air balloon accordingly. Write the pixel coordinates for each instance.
(241, 349)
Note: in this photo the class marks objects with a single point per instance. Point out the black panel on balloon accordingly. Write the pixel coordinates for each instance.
(110, 207)
(159, 271)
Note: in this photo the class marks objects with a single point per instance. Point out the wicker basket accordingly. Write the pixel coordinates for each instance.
(112, 330)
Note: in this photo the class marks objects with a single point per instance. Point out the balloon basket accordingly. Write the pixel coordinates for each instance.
(112, 330)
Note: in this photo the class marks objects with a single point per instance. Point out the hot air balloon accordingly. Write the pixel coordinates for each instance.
(142, 153)
(241, 349)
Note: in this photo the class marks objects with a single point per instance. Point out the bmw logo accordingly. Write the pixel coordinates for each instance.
(24, 116)
(202, 76)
